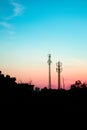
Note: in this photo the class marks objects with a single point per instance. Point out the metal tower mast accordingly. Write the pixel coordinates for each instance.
(59, 70)
(49, 63)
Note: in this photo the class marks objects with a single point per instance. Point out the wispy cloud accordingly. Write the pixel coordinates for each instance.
(6, 25)
(17, 9)
(7, 29)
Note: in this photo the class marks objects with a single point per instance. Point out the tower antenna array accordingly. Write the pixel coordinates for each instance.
(49, 64)
(59, 70)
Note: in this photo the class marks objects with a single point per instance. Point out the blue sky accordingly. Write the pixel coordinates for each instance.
(31, 29)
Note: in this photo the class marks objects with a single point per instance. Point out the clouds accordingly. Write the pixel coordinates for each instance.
(6, 25)
(16, 10)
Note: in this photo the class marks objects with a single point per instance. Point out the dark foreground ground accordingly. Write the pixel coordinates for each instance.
(14, 95)
(59, 109)
(68, 108)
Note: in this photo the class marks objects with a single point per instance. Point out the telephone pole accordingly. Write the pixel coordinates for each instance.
(49, 64)
(59, 70)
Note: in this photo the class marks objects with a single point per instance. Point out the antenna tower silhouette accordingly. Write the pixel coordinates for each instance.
(49, 63)
(59, 70)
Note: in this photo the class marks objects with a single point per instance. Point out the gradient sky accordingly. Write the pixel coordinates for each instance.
(31, 29)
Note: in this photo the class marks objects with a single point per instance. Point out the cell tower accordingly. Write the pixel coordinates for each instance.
(49, 63)
(59, 70)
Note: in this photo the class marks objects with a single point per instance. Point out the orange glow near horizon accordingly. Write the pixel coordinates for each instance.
(40, 79)
(38, 73)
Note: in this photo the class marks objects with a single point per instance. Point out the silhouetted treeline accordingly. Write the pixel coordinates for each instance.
(12, 92)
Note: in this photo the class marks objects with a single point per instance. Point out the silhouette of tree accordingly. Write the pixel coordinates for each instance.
(0, 72)
(37, 89)
(78, 83)
(83, 85)
(73, 86)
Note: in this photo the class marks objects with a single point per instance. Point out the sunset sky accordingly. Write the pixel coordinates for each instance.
(31, 29)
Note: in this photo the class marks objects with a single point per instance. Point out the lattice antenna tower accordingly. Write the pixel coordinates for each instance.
(49, 64)
(59, 70)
